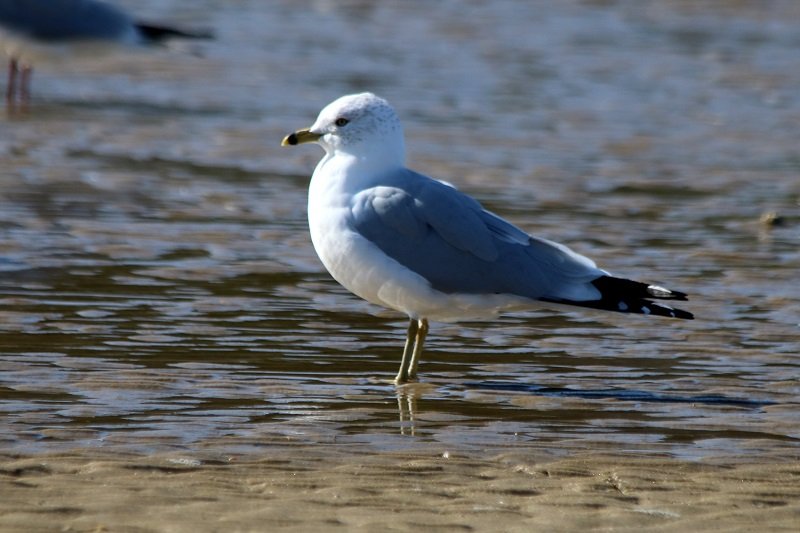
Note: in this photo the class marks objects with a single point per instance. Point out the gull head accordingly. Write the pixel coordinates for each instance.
(360, 125)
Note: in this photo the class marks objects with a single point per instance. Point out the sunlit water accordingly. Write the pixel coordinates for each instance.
(159, 291)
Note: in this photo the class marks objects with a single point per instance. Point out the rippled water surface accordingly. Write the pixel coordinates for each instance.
(158, 288)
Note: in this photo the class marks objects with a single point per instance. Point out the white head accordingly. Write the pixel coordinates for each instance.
(360, 125)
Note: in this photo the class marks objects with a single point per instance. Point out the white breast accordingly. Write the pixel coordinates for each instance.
(363, 269)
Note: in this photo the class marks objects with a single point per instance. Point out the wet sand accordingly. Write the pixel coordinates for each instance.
(310, 488)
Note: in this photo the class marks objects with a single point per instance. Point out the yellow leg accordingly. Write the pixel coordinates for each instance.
(408, 352)
(25, 83)
(422, 332)
(11, 87)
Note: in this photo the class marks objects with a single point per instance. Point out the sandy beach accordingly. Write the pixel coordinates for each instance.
(313, 489)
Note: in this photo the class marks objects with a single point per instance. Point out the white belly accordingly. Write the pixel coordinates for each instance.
(30, 51)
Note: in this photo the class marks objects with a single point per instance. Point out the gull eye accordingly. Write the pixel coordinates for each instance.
(341, 122)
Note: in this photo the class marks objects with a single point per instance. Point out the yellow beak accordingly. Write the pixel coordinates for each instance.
(300, 137)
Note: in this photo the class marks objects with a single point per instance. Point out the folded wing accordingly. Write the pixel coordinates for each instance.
(449, 239)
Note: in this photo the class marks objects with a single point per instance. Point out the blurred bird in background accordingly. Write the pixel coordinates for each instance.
(31, 30)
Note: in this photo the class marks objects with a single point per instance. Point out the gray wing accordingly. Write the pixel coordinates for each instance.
(450, 240)
(64, 20)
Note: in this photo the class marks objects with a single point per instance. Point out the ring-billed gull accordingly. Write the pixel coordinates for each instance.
(34, 29)
(408, 242)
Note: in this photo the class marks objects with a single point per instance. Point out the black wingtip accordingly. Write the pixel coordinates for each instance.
(627, 296)
(652, 308)
(680, 313)
(155, 34)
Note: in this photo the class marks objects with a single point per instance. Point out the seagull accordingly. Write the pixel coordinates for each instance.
(408, 242)
(33, 29)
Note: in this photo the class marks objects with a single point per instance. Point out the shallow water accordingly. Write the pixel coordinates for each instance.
(159, 290)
